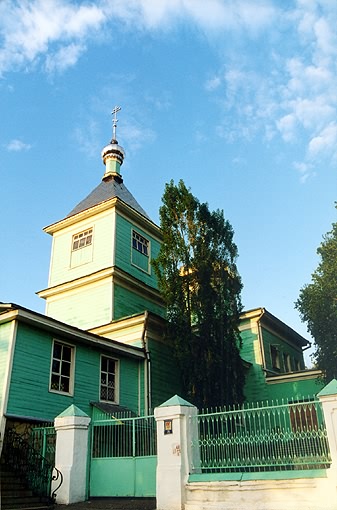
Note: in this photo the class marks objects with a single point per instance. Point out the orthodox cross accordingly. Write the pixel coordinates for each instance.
(114, 121)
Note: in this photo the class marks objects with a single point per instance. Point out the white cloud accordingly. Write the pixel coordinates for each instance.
(30, 28)
(294, 94)
(287, 127)
(305, 171)
(325, 141)
(18, 146)
(213, 83)
(65, 57)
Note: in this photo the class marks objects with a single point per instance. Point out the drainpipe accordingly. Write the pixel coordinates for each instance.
(148, 403)
(261, 339)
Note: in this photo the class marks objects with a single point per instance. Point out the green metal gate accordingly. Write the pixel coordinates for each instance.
(123, 457)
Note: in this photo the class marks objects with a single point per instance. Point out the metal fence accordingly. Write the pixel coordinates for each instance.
(121, 436)
(286, 436)
(43, 439)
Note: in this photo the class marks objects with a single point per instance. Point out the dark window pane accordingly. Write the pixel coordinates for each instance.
(54, 383)
(56, 366)
(57, 350)
(111, 365)
(104, 364)
(64, 384)
(66, 353)
(65, 369)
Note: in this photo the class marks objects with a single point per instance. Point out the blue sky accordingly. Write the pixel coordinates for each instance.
(237, 98)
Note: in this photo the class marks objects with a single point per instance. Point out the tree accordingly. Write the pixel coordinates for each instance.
(201, 287)
(317, 304)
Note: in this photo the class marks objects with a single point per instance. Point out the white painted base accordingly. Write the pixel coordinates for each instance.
(298, 494)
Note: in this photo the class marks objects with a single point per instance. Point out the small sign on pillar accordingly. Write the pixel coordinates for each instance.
(168, 427)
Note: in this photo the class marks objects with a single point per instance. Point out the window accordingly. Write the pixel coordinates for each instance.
(297, 365)
(109, 368)
(139, 243)
(61, 368)
(82, 239)
(275, 357)
(286, 362)
(140, 251)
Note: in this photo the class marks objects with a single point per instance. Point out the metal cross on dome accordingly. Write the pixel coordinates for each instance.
(114, 121)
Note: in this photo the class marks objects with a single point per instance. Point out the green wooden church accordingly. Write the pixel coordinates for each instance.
(100, 344)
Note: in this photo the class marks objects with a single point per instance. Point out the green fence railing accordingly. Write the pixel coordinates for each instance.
(124, 437)
(43, 439)
(286, 436)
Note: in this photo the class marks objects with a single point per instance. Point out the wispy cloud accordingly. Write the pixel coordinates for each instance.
(56, 32)
(288, 92)
(17, 146)
(294, 94)
(29, 30)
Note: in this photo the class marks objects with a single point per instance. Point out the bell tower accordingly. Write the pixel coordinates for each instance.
(100, 265)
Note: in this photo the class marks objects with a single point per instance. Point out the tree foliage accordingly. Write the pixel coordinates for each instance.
(317, 304)
(201, 287)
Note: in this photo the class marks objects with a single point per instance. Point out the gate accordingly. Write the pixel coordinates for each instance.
(123, 457)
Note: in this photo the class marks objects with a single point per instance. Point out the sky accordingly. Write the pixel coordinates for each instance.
(236, 97)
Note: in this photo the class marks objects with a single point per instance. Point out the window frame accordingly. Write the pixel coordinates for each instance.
(70, 392)
(275, 357)
(287, 362)
(141, 252)
(90, 233)
(116, 379)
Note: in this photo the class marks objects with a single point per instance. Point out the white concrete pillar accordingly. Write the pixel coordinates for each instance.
(174, 452)
(72, 430)
(328, 398)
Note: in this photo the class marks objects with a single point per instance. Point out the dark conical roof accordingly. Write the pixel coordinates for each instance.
(107, 189)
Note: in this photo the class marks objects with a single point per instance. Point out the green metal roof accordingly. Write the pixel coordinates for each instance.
(176, 401)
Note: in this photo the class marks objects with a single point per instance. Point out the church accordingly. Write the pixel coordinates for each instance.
(100, 344)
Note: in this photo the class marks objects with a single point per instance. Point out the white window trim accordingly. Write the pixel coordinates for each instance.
(72, 369)
(117, 373)
(148, 271)
(81, 232)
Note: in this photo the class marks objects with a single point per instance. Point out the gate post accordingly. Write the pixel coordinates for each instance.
(328, 398)
(174, 452)
(71, 456)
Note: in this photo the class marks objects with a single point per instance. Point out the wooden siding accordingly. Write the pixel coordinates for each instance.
(128, 303)
(84, 307)
(256, 387)
(255, 382)
(5, 337)
(61, 269)
(165, 378)
(29, 393)
(124, 247)
(270, 339)
(297, 389)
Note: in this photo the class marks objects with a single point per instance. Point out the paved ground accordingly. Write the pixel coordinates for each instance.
(112, 504)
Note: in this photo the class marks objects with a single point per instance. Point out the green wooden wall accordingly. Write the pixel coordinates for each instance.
(29, 393)
(165, 378)
(5, 335)
(296, 390)
(270, 339)
(128, 303)
(124, 251)
(255, 382)
(256, 387)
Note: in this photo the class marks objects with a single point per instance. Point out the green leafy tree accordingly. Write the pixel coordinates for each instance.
(201, 287)
(317, 304)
